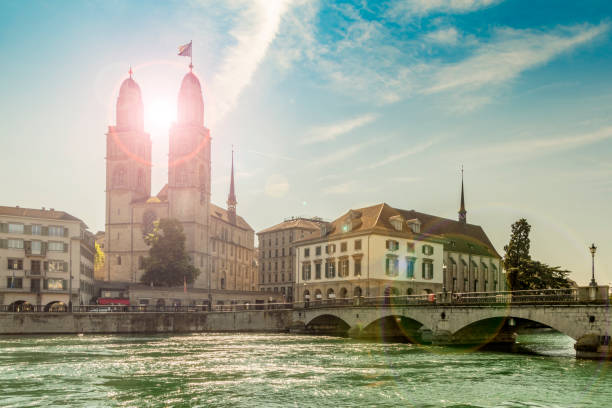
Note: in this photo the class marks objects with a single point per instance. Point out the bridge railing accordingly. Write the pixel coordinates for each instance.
(556, 296)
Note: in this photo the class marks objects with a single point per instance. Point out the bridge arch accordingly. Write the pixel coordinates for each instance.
(393, 327)
(327, 323)
(501, 318)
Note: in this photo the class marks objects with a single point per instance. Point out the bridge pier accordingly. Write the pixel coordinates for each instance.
(594, 346)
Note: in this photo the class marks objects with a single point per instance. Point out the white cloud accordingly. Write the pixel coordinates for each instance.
(277, 186)
(404, 153)
(508, 55)
(540, 146)
(343, 153)
(407, 9)
(258, 26)
(445, 36)
(330, 132)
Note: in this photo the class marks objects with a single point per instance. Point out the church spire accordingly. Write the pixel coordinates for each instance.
(231, 198)
(462, 212)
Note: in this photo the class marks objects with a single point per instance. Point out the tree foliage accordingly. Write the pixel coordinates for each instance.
(522, 272)
(168, 263)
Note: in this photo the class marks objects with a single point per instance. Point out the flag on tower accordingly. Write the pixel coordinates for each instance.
(185, 50)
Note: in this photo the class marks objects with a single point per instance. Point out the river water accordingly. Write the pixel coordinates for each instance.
(282, 370)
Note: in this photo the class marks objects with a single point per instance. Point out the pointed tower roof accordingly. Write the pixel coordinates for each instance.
(462, 211)
(231, 198)
(190, 101)
(129, 105)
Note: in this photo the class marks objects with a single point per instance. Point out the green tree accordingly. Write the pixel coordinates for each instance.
(522, 272)
(167, 264)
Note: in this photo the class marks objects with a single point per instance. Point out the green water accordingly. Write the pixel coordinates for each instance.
(281, 370)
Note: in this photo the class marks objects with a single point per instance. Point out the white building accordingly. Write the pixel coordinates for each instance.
(38, 251)
(381, 251)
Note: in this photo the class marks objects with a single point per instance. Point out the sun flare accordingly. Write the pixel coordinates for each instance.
(159, 114)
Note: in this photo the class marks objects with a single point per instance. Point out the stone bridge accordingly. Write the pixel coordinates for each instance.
(589, 324)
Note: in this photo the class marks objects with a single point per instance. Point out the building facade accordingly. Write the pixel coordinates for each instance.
(276, 256)
(382, 251)
(131, 210)
(44, 256)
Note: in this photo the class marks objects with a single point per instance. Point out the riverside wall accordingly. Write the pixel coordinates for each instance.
(153, 322)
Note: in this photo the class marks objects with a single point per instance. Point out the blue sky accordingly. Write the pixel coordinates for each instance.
(331, 106)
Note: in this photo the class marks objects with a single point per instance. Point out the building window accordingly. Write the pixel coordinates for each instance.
(410, 247)
(36, 229)
(357, 245)
(55, 231)
(15, 264)
(15, 243)
(119, 177)
(410, 267)
(306, 252)
(392, 245)
(306, 271)
(343, 246)
(330, 249)
(318, 251)
(15, 228)
(318, 271)
(428, 249)
(14, 283)
(119, 260)
(330, 269)
(357, 270)
(55, 284)
(56, 246)
(427, 268)
(140, 262)
(57, 266)
(36, 248)
(391, 266)
(343, 268)
(35, 267)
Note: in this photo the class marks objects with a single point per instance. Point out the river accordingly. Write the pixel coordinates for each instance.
(283, 370)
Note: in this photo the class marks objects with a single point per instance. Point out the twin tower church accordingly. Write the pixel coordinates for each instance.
(219, 242)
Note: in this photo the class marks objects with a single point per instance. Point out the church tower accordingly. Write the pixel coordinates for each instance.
(128, 177)
(231, 198)
(189, 174)
(462, 211)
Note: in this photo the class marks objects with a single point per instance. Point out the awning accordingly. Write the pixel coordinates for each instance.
(113, 301)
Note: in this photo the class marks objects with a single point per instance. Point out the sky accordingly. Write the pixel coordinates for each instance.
(331, 106)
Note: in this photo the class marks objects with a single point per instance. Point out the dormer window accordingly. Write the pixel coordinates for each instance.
(414, 225)
(347, 227)
(396, 222)
(428, 250)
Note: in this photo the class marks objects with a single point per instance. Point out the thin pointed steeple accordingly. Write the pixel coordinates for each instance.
(231, 198)
(462, 212)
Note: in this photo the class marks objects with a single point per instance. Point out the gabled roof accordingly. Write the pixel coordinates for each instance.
(460, 237)
(299, 223)
(222, 214)
(36, 213)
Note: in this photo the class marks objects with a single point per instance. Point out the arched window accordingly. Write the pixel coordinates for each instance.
(119, 176)
(343, 293)
(306, 295)
(330, 293)
(357, 292)
(409, 291)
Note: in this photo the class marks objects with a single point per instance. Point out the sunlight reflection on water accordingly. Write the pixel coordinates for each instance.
(288, 370)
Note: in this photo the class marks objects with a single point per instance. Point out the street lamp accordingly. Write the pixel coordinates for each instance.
(593, 248)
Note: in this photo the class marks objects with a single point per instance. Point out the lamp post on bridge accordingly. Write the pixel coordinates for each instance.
(593, 248)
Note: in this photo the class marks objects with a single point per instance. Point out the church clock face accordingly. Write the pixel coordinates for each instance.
(148, 219)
